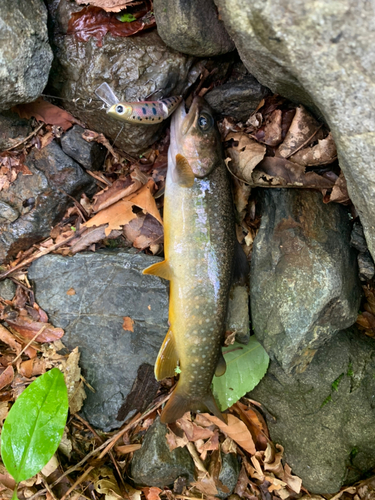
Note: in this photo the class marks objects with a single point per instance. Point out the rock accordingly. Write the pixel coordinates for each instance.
(320, 55)
(325, 416)
(36, 202)
(237, 98)
(304, 285)
(90, 155)
(230, 470)
(13, 129)
(366, 266)
(238, 313)
(357, 238)
(25, 54)
(134, 67)
(7, 289)
(155, 465)
(192, 27)
(108, 286)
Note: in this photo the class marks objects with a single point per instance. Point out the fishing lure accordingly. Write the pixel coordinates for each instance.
(144, 112)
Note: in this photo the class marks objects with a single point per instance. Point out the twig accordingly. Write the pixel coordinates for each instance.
(198, 462)
(79, 481)
(26, 138)
(48, 487)
(29, 344)
(39, 254)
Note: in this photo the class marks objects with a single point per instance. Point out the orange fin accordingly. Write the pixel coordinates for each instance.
(167, 359)
(160, 269)
(183, 174)
(221, 367)
(179, 404)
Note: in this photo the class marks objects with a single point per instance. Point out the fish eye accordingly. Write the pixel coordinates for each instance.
(205, 122)
(120, 109)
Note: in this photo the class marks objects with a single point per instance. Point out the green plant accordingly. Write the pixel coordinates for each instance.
(126, 18)
(246, 366)
(34, 426)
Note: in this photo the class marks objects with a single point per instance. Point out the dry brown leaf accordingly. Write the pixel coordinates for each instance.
(256, 423)
(105, 483)
(144, 200)
(26, 368)
(175, 441)
(339, 192)
(71, 291)
(294, 482)
(114, 217)
(236, 430)
(243, 481)
(206, 485)
(272, 129)
(4, 410)
(128, 324)
(91, 235)
(28, 328)
(127, 448)
(74, 384)
(152, 493)
(6, 377)
(46, 112)
(193, 431)
(121, 188)
(303, 126)
(322, 153)
(244, 156)
(210, 445)
(9, 339)
(228, 446)
(272, 459)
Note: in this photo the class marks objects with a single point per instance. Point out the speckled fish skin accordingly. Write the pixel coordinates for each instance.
(144, 112)
(199, 249)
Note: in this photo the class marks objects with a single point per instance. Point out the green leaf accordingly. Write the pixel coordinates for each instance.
(246, 366)
(34, 426)
(126, 18)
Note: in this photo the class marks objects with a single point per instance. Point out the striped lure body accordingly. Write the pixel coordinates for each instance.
(144, 112)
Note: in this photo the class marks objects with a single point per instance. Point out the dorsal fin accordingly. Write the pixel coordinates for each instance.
(167, 359)
(183, 174)
(160, 269)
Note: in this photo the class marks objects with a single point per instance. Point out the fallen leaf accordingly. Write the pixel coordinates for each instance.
(4, 410)
(95, 22)
(74, 384)
(152, 493)
(294, 482)
(105, 483)
(9, 339)
(210, 445)
(46, 112)
(339, 192)
(206, 485)
(119, 189)
(127, 448)
(6, 377)
(236, 430)
(28, 328)
(193, 431)
(107, 5)
(243, 481)
(272, 129)
(175, 441)
(51, 466)
(244, 155)
(71, 291)
(128, 324)
(322, 153)
(302, 128)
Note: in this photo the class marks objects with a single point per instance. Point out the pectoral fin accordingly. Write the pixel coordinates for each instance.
(167, 359)
(160, 269)
(183, 174)
(221, 366)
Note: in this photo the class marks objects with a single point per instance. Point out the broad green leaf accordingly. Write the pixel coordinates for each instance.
(246, 366)
(34, 426)
(126, 18)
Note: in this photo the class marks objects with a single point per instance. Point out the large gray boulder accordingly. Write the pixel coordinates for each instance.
(319, 54)
(325, 417)
(104, 288)
(134, 67)
(25, 54)
(32, 204)
(304, 278)
(192, 27)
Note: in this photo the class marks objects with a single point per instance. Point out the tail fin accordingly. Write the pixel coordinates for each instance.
(179, 404)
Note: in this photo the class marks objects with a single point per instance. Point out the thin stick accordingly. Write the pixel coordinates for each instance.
(26, 138)
(79, 481)
(29, 344)
(37, 256)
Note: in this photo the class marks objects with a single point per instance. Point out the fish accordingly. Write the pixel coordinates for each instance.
(142, 112)
(200, 250)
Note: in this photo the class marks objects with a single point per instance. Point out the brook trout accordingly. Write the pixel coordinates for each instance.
(199, 247)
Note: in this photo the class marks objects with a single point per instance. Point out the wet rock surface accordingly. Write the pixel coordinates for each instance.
(237, 99)
(34, 203)
(25, 53)
(192, 27)
(304, 278)
(155, 465)
(230, 470)
(325, 416)
(321, 56)
(365, 262)
(7, 289)
(108, 286)
(134, 67)
(90, 155)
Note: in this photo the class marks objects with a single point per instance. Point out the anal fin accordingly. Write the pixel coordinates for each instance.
(161, 269)
(167, 359)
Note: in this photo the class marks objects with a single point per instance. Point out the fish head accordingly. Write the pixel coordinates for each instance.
(194, 135)
(120, 111)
